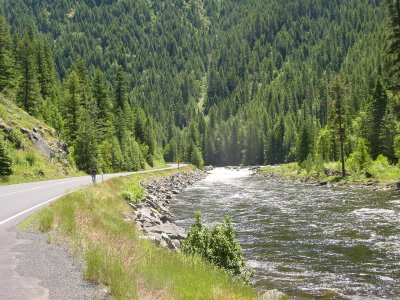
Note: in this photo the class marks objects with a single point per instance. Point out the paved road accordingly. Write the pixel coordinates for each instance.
(16, 203)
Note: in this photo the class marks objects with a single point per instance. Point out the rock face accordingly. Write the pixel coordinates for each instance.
(153, 216)
(50, 151)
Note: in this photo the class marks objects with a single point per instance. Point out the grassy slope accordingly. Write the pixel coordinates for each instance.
(91, 220)
(382, 174)
(28, 163)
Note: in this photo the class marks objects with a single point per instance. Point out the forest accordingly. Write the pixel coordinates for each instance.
(133, 83)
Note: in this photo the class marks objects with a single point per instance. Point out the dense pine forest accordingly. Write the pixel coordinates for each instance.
(132, 83)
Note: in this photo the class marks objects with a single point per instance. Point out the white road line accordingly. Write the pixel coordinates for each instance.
(32, 208)
(39, 187)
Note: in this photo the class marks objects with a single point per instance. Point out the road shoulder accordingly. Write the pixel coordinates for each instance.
(57, 271)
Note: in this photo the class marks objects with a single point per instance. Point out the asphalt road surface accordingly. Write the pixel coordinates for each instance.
(18, 202)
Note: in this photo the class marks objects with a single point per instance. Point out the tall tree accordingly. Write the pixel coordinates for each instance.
(101, 97)
(5, 162)
(337, 91)
(375, 113)
(6, 65)
(28, 94)
(121, 90)
(394, 40)
(72, 106)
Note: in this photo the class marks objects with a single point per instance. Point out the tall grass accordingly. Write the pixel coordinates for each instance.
(92, 222)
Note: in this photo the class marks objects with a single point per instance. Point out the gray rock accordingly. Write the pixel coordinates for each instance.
(172, 230)
(6, 129)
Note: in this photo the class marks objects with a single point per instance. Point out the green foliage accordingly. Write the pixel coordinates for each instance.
(359, 160)
(116, 257)
(224, 82)
(6, 62)
(133, 192)
(5, 163)
(216, 244)
(396, 146)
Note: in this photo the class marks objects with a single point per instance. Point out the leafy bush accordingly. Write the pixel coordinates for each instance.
(133, 192)
(216, 244)
(359, 160)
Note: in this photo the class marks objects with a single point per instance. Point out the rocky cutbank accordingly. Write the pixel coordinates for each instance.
(153, 216)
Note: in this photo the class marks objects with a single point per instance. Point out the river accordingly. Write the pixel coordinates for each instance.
(309, 242)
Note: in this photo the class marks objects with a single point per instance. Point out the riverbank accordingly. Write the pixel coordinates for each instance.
(98, 224)
(328, 177)
(153, 216)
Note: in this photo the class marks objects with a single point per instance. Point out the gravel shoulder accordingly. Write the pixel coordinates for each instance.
(57, 271)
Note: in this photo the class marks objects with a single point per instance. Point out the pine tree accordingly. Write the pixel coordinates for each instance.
(28, 94)
(394, 40)
(337, 91)
(304, 143)
(72, 105)
(101, 97)
(121, 89)
(6, 64)
(375, 114)
(86, 146)
(5, 163)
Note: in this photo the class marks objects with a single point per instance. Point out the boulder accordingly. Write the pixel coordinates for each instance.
(173, 231)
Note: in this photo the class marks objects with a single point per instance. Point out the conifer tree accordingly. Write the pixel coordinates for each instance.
(375, 114)
(121, 90)
(6, 64)
(28, 94)
(86, 146)
(304, 143)
(5, 163)
(72, 105)
(337, 91)
(104, 107)
(394, 40)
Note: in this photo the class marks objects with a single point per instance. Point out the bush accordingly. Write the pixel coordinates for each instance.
(216, 244)
(359, 160)
(133, 192)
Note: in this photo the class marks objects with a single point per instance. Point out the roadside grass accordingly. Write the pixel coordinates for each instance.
(95, 224)
(378, 172)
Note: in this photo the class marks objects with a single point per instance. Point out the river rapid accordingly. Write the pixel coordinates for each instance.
(309, 242)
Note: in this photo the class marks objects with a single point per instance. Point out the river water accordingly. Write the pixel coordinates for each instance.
(307, 241)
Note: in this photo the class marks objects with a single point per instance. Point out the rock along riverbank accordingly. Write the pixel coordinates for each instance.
(153, 216)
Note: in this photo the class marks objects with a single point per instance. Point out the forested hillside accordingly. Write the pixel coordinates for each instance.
(221, 82)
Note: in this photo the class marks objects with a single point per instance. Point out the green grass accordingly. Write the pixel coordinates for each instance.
(29, 164)
(381, 172)
(92, 223)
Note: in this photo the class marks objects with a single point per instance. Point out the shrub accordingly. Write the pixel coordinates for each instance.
(133, 192)
(359, 160)
(216, 244)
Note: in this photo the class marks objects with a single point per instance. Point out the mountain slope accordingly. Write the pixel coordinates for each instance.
(35, 150)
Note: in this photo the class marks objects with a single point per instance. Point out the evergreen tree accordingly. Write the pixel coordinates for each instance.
(86, 146)
(72, 106)
(121, 90)
(28, 94)
(375, 114)
(304, 143)
(394, 40)
(5, 163)
(104, 122)
(337, 91)
(6, 64)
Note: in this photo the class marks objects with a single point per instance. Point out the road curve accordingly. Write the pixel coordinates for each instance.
(18, 202)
